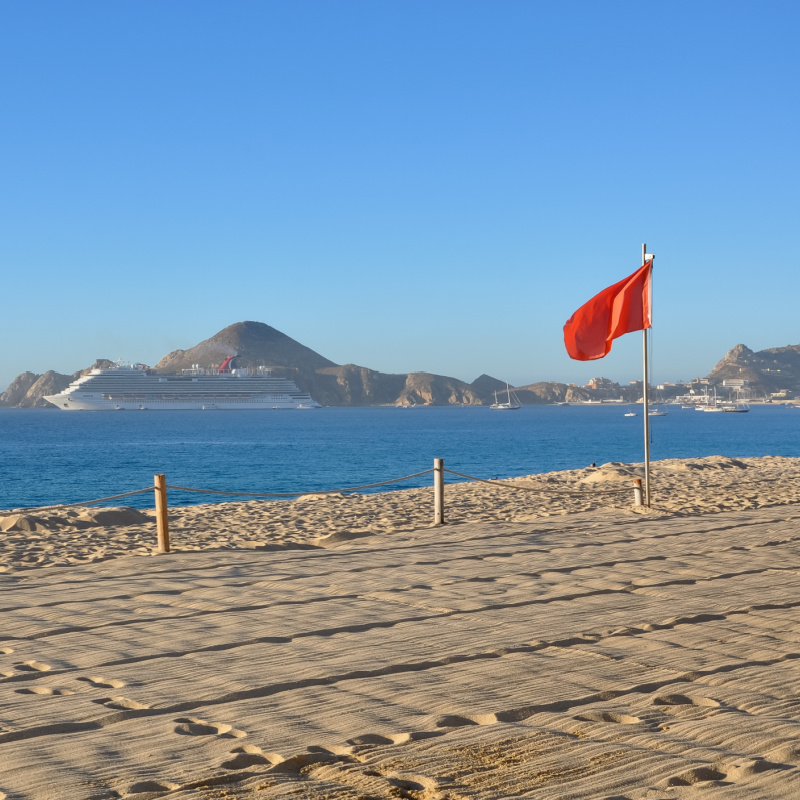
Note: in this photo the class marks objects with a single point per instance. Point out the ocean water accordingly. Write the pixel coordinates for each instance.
(49, 457)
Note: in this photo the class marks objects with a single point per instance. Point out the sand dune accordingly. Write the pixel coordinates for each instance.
(605, 653)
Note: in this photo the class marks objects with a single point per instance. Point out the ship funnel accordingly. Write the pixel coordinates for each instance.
(226, 365)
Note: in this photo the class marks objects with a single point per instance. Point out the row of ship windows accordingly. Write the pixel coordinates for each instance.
(127, 398)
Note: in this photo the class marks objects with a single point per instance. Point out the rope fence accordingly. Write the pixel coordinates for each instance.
(542, 490)
(85, 502)
(300, 494)
(160, 487)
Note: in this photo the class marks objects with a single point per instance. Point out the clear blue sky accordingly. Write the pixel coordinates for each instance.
(405, 185)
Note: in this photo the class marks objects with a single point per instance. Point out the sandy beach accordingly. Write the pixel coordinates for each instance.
(558, 644)
(692, 486)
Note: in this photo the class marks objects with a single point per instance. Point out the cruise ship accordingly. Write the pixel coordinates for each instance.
(135, 387)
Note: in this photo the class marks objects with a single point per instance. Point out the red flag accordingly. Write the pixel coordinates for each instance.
(622, 308)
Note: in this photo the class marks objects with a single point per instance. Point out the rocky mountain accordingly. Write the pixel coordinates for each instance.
(28, 389)
(253, 343)
(552, 392)
(767, 371)
(256, 344)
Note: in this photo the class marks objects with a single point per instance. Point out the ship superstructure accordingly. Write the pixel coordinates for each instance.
(135, 387)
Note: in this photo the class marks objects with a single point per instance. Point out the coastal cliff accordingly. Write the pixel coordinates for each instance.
(771, 370)
(27, 390)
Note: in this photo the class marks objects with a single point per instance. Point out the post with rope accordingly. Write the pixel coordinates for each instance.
(438, 491)
(637, 491)
(162, 524)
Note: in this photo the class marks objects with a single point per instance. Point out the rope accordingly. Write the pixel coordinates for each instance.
(496, 483)
(533, 488)
(85, 502)
(300, 494)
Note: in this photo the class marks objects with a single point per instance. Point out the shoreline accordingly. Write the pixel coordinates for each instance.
(680, 486)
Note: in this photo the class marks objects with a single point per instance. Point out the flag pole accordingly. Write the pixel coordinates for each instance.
(646, 410)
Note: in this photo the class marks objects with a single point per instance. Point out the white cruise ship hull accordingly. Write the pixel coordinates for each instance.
(124, 388)
(101, 404)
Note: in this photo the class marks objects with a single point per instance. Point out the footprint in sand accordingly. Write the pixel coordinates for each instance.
(749, 767)
(33, 666)
(414, 736)
(696, 775)
(684, 700)
(103, 683)
(406, 783)
(121, 703)
(454, 721)
(190, 726)
(152, 786)
(6, 651)
(608, 716)
(45, 691)
(244, 757)
(370, 738)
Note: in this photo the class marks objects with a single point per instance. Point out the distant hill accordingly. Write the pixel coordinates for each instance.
(768, 370)
(552, 392)
(253, 343)
(28, 389)
(257, 344)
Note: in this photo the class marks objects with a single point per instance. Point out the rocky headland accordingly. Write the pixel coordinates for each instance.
(257, 344)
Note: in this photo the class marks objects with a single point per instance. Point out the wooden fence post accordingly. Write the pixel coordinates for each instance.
(637, 491)
(438, 491)
(160, 485)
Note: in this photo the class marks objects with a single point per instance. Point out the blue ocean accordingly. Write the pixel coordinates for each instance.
(50, 457)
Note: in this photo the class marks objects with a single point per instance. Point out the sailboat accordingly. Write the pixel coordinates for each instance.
(511, 404)
(714, 407)
(737, 407)
(654, 411)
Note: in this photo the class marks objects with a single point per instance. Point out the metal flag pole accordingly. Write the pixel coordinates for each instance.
(646, 410)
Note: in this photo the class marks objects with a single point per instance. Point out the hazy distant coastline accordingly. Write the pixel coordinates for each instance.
(771, 374)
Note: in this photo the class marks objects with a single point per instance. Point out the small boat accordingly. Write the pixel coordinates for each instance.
(654, 412)
(713, 406)
(737, 407)
(630, 414)
(511, 404)
(210, 407)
